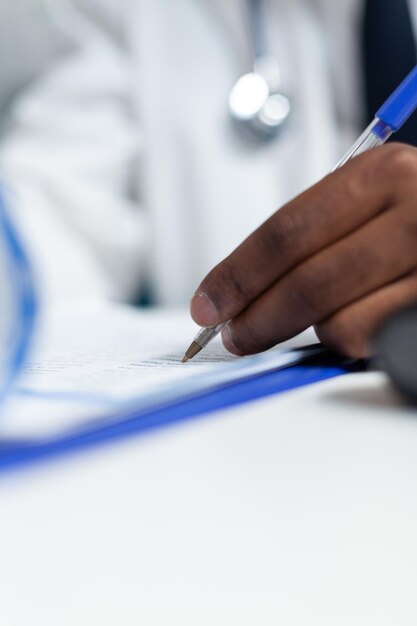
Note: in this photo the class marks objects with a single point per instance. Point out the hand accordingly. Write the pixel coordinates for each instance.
(342, 256)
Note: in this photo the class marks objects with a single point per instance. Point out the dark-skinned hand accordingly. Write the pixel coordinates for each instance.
(342, 256)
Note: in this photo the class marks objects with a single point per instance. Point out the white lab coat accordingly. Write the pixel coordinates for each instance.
(123, 161)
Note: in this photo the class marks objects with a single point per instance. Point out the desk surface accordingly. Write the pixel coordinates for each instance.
(298, 509)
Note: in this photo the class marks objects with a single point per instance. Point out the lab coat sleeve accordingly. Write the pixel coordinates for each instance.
(67, 158)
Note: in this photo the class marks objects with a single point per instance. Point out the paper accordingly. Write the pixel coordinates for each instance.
(91, 362)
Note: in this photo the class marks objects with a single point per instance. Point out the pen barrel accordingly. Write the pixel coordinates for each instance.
(207, 334)
(401, 104)
(375, 135)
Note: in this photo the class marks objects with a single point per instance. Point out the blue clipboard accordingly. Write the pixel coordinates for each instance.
(315, 368)
(318, 368)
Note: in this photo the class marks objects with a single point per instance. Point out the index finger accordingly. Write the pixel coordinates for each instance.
(328, 211)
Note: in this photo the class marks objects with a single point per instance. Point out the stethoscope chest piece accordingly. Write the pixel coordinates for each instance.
(257, 104)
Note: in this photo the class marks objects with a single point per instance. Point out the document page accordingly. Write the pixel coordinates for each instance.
(95, 362)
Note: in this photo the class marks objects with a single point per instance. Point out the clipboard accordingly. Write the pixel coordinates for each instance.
(320, 367)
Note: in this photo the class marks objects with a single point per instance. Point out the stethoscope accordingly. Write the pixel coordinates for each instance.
(258, 103)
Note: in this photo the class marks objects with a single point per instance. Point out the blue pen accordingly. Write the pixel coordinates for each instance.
(388, 119)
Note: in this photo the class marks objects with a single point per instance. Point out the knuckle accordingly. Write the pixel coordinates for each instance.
(407, 225)
(398, 161)
(353, 180)
(341, 335)
(280, 232)
(309, 291)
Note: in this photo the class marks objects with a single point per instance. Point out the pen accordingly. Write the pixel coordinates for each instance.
(388, 119)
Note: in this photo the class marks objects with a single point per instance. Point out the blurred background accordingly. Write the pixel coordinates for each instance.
(28, 43)
(137, 156)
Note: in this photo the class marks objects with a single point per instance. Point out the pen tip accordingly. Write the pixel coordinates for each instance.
(191, 352)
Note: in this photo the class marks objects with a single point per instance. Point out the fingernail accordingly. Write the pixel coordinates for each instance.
(203, 310)
(228, 341)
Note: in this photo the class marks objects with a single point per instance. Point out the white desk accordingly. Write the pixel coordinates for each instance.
(295, 510)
